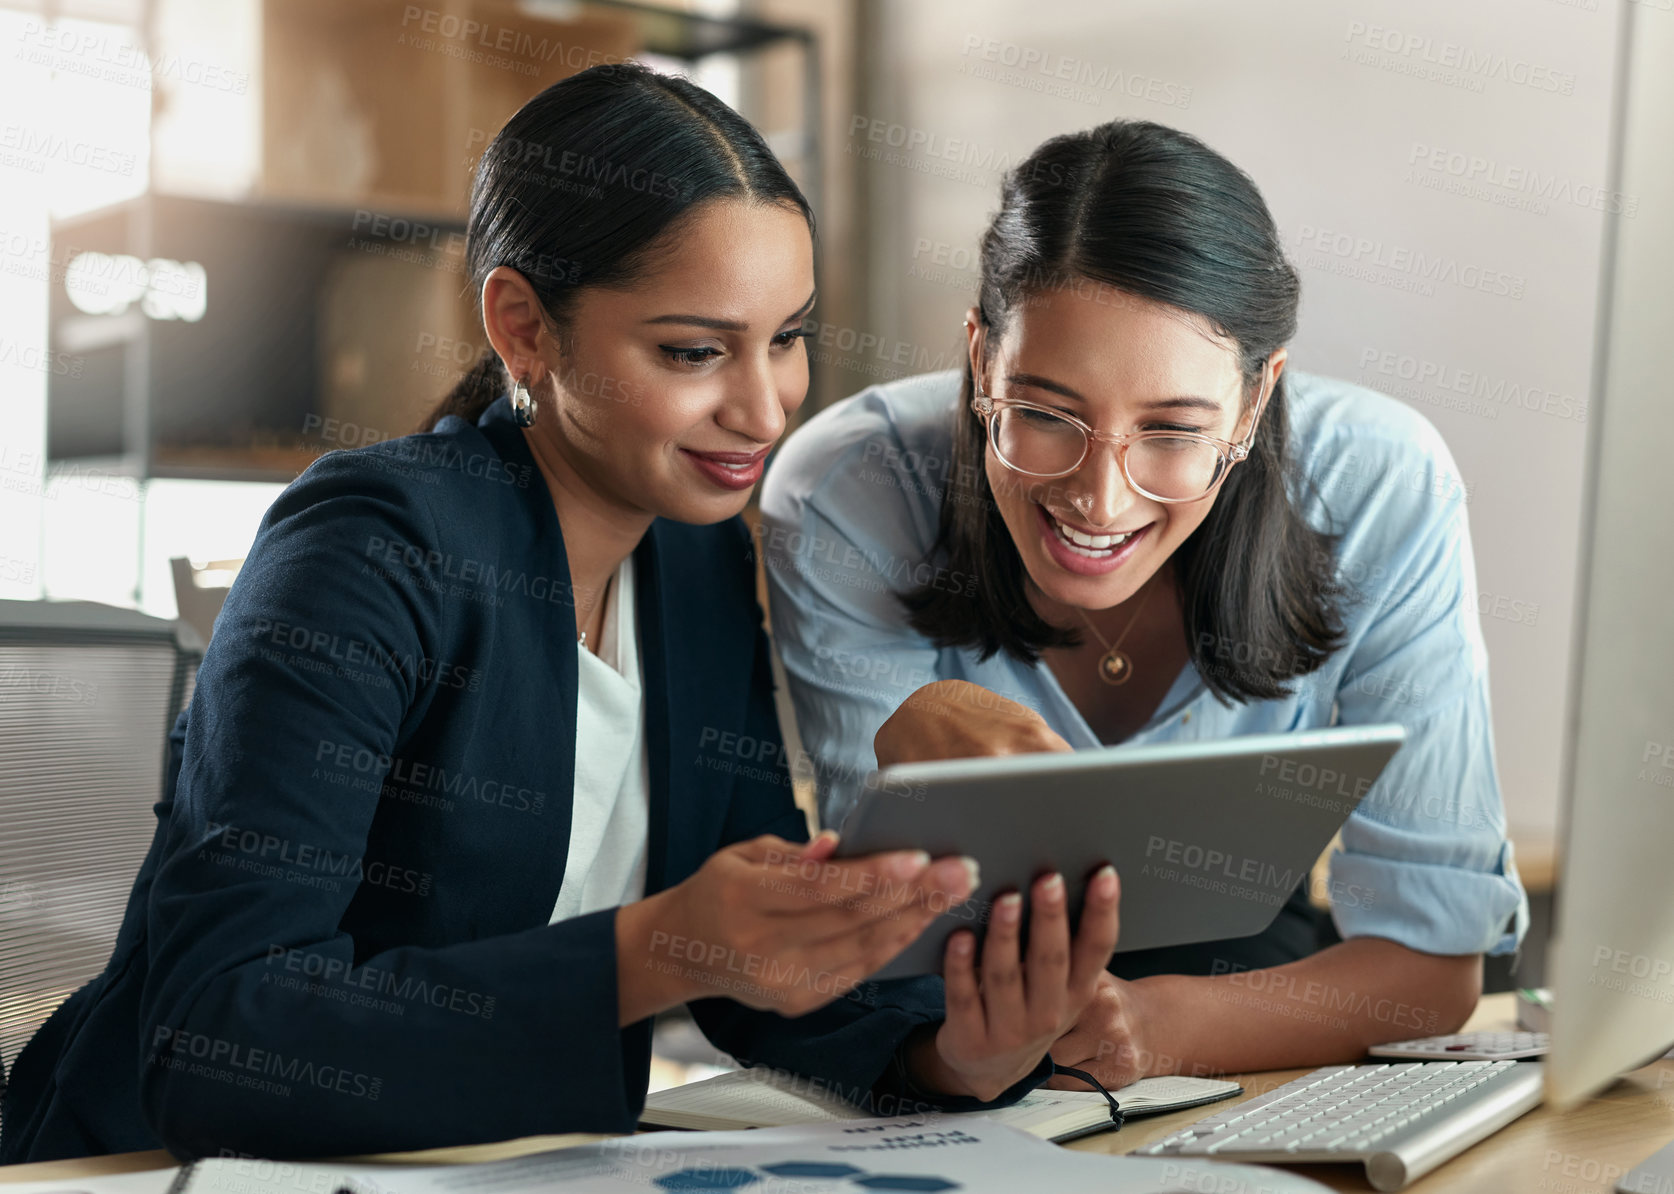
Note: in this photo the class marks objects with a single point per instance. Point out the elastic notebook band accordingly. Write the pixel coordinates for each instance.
(1117, 1115)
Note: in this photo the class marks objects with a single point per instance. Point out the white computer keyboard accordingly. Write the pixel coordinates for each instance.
(1468, 1046)
(1400, 1120)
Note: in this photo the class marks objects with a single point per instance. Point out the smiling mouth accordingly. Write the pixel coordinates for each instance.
(730, 470)
(1094, 547)
(736, 461)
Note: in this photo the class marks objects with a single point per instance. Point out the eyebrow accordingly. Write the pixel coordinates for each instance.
(725, 325)
(1037, 382)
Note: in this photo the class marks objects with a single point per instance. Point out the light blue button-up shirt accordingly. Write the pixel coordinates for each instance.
(850, 512)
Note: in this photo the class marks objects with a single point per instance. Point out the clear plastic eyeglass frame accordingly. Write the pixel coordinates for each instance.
(1230, 452)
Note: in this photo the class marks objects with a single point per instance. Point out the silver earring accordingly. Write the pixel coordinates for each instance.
(523, 403)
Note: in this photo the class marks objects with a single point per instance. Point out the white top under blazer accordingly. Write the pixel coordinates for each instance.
(611, 818)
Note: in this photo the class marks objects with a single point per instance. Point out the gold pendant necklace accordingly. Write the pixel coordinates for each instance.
(1115, 668)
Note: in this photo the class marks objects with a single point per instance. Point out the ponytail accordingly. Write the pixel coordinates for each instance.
(471, 394)
(585, 180)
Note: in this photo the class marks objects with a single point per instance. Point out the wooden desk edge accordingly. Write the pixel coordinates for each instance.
(1617, 1129)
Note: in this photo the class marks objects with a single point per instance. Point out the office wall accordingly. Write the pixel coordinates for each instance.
(1437, 171)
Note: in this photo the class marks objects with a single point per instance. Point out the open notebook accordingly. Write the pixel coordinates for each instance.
(762, 1098)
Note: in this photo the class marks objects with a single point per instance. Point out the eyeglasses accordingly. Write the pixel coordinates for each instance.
(1165, 466)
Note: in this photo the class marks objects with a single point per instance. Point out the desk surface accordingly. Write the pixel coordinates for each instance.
(1577, 1152)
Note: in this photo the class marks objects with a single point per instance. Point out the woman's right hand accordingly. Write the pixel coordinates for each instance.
(955, 719)
(779, 926)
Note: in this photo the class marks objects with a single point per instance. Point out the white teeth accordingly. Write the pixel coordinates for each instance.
(1089, 545)
(733, 467)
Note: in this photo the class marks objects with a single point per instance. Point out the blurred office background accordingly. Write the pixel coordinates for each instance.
(231, 234)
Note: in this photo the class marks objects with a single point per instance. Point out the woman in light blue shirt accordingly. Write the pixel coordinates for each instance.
(1127, 521)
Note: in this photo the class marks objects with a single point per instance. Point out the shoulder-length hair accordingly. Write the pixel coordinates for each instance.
(1149, 211)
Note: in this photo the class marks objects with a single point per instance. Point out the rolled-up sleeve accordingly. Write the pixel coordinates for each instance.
(1424, 860)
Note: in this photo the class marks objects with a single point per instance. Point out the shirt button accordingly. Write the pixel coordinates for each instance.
(1185, 717)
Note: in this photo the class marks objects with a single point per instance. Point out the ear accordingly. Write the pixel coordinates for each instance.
(515, 323)
(976, 336)
(1270, 381)
(1276, 366)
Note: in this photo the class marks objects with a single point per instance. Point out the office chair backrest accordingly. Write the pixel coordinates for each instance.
(200, 592)
(87, 696)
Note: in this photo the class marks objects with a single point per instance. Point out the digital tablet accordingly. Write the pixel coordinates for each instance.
(1210, 838)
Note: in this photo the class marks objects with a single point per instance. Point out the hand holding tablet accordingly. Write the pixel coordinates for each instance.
(1209, 838)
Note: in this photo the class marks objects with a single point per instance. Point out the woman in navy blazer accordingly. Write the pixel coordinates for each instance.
(341, 939)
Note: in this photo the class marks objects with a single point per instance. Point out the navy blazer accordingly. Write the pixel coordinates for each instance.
(338, 942)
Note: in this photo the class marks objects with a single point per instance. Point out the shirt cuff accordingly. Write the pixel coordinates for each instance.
(1432, 908)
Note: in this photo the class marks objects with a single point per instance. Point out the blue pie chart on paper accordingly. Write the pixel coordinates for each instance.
(810, 1169)
(905, 1181)
(707, 1179)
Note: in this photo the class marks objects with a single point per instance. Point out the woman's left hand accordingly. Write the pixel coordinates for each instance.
(1004, 1012)
(1106, 1040)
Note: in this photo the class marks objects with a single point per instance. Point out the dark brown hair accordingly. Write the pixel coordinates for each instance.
(584, 182)
(1154, 213)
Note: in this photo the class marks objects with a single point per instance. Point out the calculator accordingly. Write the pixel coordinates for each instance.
(1468, 1046)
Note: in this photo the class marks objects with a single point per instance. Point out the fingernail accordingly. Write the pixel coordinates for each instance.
(910, 866)
(961, 944)
(1052, 887)
(823, 834)
(950, 872)
(973, 872)
(1008, 907)
(1104, 881)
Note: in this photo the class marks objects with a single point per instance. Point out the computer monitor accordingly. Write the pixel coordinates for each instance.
(1613, 957)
